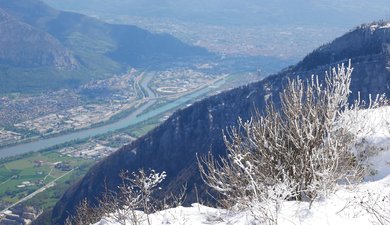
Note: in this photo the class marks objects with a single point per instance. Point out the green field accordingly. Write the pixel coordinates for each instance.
(20, 177)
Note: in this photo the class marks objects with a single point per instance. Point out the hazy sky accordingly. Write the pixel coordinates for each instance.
(287, 29)
(246, 12)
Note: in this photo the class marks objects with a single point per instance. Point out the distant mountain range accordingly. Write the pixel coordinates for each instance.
(22, 45)
(172, 147)
(43, 48)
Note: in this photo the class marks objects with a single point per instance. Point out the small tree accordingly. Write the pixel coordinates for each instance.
(299, 147)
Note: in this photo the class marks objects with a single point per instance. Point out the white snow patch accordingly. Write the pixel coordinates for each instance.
(387, 25)
(377, 26)
(372, 128)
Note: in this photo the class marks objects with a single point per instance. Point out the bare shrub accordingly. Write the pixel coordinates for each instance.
(173, 200)
(299, 147)
(85, 214)
(143, 184)
(121, 206)
(131, 203)
(134, 194)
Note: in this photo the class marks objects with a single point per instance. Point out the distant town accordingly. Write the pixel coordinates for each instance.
(26, 117)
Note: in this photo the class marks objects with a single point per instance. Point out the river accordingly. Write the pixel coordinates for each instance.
(136, 117)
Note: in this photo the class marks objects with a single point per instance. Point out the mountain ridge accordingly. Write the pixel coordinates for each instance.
(366, 39)
(86, 46)
(30, 46)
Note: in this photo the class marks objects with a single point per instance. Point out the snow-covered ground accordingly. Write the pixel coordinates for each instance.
(376, 26)
(361, 204)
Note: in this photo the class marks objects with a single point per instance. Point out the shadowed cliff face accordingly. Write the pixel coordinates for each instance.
(172, 147)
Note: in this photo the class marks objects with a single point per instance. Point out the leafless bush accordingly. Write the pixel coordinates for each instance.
(173, 200)
(131, 204)
(143, 184)
(85, 214)
(299, 147)
(267, 211)
(123, 206)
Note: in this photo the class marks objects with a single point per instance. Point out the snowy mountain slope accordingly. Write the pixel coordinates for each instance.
(372, 129)
(365, 203)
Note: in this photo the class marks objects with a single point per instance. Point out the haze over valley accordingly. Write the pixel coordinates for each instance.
(282, 29)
